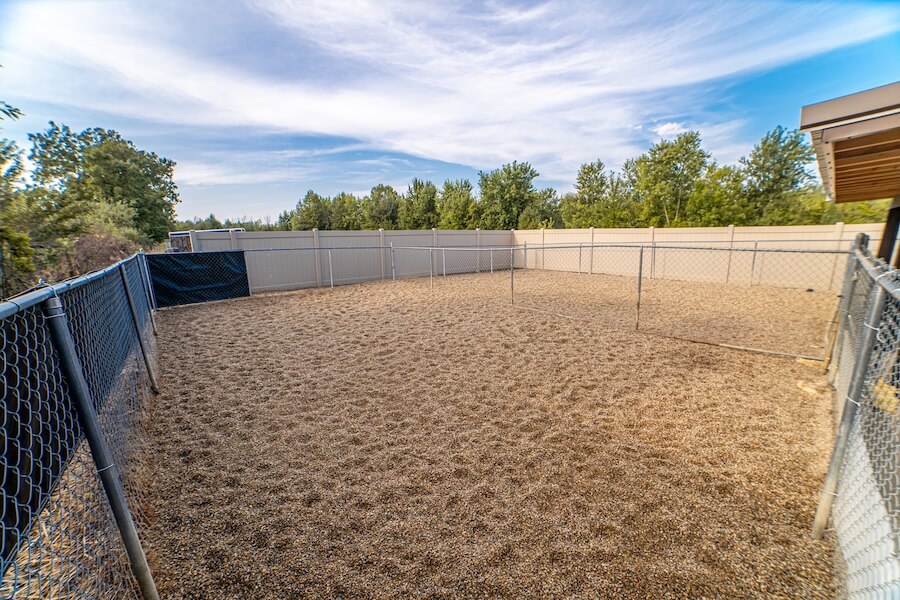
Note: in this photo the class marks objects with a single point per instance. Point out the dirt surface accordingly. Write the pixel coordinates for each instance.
(764, 317)
(386, 440)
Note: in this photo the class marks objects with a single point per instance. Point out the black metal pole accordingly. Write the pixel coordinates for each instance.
(137, 328)
(106, 467)
(889, 237)
(145, 285)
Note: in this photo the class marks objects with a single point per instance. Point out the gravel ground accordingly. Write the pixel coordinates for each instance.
(387, 440)
(768, 318)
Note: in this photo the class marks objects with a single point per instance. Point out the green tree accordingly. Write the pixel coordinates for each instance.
(456, 205)
(313, 212)
(543, 211)
(284, 220)
(601, 199)
(666, 176)
(775, 173)
(380, 208)
(506, 192)
(716, 199)
(418, 208)
(99, 165)
(862, 212)
(346, 212)
(16, 253)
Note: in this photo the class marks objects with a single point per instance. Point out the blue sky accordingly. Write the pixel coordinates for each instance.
(260, 100)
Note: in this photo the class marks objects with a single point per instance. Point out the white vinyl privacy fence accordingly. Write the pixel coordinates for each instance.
(285, 260)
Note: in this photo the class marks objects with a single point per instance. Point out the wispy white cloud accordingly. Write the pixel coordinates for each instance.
(556, 83)
(670, 129)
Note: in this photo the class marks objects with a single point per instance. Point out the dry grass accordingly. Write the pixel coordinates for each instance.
(384, 440)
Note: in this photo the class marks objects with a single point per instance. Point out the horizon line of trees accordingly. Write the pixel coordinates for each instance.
(93, 197)
(676, 183)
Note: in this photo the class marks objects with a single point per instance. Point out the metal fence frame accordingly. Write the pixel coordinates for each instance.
(96, 357)
(78, 360)
(860, 496)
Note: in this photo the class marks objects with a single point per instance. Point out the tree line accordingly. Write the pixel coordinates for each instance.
(90, 198)
(676, 183)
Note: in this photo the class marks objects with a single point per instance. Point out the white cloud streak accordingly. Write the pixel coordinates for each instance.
(558, 83)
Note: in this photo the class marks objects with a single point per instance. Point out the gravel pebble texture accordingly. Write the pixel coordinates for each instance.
(389, 440)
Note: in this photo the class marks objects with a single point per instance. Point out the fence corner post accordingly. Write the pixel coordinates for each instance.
(108, 472)
(652, 252)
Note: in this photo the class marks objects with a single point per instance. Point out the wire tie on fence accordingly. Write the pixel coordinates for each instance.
(852, 401)
(888, 272)
(106, 468)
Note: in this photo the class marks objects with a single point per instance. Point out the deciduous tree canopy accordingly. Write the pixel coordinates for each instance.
(94, 185)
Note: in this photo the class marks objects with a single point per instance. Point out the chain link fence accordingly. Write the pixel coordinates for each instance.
(768, 299)
(65, 488)
(751, 296)
(77, 365)
(861, 494)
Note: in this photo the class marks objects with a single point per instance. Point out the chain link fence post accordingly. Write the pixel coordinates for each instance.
(876, 301)
(730, 252)
(753, 262)
(637, 319)
(861, 241)
(393, 267)
(148, 288)
(73, 372)
(137, 329)
(318, 257)
(512, 276)
(330, 269)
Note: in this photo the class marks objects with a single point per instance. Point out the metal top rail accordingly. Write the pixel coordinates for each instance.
(621, 245)
(12, 305)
